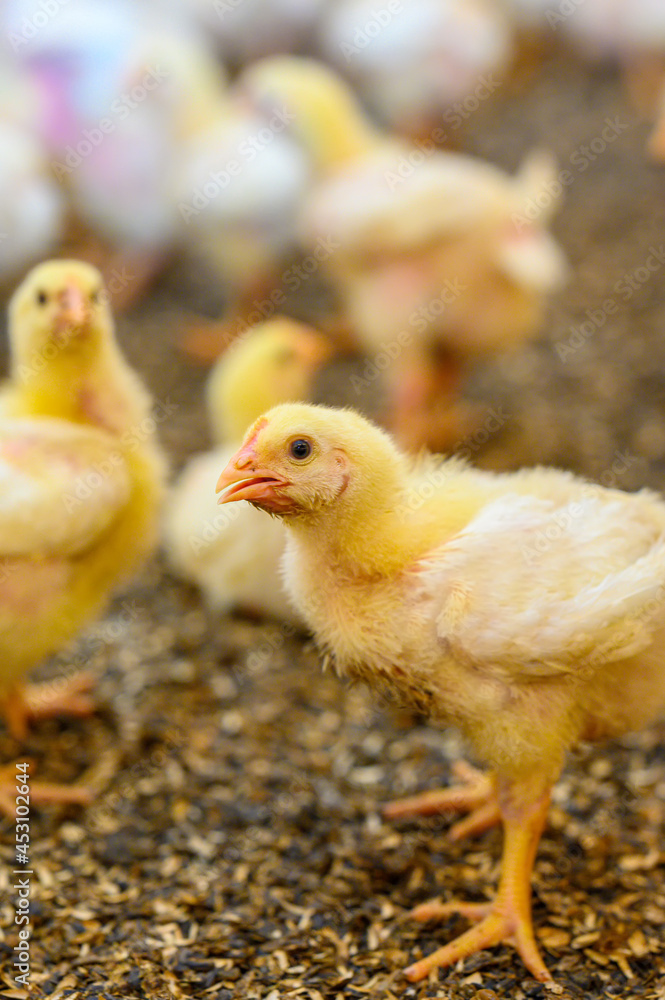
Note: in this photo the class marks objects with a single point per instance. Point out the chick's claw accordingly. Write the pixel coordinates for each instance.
(501, 923)
(476, 795)
(435, 910)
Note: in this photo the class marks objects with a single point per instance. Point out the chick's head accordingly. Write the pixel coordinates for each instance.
(59, 311)
(274, 363)
(309, 461)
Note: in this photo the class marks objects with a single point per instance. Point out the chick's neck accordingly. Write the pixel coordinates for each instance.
(333, 130)
(366, 536)
(93, 386)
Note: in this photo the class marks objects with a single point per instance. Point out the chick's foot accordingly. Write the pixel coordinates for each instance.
(39, 792)
(508, 918)
(476, 794)
(203, 340)
(61, 696)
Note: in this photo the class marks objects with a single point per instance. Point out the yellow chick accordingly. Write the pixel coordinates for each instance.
(525, 608)
(234, 555)
(82, 479)
(437, 258)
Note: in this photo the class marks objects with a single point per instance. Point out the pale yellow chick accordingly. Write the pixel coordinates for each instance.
(234, 555)
(524, 608)
(82, 479)
(437, 259)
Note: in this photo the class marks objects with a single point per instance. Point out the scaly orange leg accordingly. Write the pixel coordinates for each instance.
(61, 696)
(508, 917)
(40, 792)
(27, 702)
(476, 795)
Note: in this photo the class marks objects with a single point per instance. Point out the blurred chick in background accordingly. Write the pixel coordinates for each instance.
(413, 63)
(32, 208)
(121, 93)
(437, 258)
(82, 483)
(235, 559)
(628, 33)
(524, 608)
(240, 190)
(255, 28)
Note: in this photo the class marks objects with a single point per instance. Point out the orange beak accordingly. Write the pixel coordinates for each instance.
(74, 309)
(242, 480)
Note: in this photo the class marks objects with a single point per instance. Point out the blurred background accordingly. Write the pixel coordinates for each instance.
(143, 138)
(469, 204)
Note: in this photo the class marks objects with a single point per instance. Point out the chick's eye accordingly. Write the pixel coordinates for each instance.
(42, 298)
(300, 448)
(95, 296)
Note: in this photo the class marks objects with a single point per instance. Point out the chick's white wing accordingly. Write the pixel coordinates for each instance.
(61, 487)
(532, 588)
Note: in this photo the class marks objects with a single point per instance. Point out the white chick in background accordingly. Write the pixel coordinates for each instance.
(413, 63)
(123, 90)
(234, 558)
(240, 190)
(32, 208)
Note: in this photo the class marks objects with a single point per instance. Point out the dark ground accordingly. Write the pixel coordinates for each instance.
(236, 847)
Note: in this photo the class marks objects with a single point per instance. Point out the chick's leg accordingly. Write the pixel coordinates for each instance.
(203, 340)
(40, 792)
(476, 794)
(508, 917)
(61, 696)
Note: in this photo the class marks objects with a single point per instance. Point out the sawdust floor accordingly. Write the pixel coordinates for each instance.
(236, 847)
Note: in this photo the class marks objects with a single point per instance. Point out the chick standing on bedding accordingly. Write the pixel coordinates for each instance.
(524, 608)
(440, 256)
(234, 556)
(82, 482)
